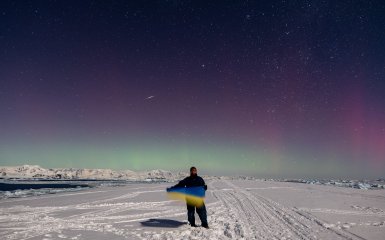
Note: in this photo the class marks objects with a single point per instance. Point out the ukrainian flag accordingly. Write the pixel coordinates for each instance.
(193, 196)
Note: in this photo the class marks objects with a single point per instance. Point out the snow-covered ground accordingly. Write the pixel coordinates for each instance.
(237, 209)
(37, 172)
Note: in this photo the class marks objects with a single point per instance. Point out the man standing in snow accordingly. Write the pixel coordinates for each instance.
(194, 181)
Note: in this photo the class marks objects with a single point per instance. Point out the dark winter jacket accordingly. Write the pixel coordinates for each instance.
(190, 181)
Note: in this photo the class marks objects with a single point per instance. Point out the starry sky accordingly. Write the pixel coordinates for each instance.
(264, 88)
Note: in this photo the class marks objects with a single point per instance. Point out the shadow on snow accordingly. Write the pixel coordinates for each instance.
(159, 222)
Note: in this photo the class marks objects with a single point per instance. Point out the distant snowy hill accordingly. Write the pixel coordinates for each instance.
(35, 171)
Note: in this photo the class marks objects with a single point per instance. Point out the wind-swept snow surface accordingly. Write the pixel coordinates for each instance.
(237, 209)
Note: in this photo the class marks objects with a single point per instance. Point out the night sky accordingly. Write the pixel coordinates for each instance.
(265, 88)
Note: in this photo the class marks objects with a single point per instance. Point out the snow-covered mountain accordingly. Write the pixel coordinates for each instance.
(35, 171)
